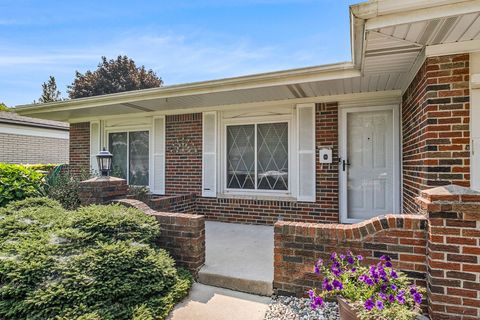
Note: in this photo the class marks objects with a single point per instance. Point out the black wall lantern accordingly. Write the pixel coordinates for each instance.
(104, 159)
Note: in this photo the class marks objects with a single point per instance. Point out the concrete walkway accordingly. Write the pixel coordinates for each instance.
(238, 257)
(212, 303)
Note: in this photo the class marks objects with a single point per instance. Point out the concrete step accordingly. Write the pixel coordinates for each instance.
(238, 257)
(258, 287)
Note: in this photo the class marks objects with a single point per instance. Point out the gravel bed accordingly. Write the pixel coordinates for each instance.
(290, 308)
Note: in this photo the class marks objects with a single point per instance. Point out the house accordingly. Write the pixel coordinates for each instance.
(338, 142)
(31, 140)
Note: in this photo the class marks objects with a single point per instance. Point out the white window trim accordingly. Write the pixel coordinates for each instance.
(150, 147)
(225, 192)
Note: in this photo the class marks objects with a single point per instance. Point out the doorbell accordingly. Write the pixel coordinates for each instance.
(325, 155)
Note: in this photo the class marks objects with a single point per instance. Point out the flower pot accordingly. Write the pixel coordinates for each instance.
(345, 310)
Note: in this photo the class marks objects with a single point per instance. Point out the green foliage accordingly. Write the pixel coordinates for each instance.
(3, 107)
(63, 187)
(96, 263)
(141, 193)
(18, 182)
(113, 76)
(50, 91)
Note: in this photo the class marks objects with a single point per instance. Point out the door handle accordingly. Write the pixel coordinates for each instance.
(344, 164)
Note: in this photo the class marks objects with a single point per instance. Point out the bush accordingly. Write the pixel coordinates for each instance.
(18, 182)
(63, 187)
(99, 262)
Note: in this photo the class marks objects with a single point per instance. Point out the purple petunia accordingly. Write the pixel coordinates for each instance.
(350, 259)
(393, 274)
(326, 285)
(311, 294)
(394, 287)
(316, 302)
(337, 284)
(388, 264)
(383, 287)
(333, 256)
(364, 278)
(379, 305)
(359, 257)
(353, 269)
(417, 297)
(400, 297)
(391, 298)
(369, 304)
(382, 296)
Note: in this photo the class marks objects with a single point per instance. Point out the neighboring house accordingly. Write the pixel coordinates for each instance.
(30, 140)
(339, 142)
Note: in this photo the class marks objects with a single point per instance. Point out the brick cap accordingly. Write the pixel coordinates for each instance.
(103, 179)
(451, 193)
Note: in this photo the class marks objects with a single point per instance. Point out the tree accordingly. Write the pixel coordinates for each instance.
(3, 107)
(113, 76)
(49, 91)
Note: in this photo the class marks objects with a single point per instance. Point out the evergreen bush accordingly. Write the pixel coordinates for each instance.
(96, 263)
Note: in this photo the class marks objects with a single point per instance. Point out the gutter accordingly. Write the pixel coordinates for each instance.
(35, 125)
(317, 73)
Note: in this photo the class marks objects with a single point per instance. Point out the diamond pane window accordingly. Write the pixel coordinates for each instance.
(257, 156)
(241, 157)
(272, 156)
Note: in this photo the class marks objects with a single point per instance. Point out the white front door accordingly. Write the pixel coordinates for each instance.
(369, 172)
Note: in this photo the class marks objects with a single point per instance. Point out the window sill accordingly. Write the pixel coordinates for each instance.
(257, 197)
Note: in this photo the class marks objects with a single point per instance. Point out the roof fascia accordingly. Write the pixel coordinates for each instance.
(409, 12)
(311, 74)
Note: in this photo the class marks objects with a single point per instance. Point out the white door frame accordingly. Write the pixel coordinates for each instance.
(342, 131)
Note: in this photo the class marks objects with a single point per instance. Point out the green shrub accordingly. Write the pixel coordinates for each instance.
(63, 186)
(96, 263)
(18, 182)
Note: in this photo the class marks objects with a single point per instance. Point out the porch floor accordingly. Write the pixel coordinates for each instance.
(238, 257)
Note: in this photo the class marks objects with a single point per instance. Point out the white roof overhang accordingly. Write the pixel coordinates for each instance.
(390, 40)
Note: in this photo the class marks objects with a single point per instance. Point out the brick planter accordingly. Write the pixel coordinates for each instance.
(438, 248)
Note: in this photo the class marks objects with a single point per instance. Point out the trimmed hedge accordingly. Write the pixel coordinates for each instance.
(99, 262)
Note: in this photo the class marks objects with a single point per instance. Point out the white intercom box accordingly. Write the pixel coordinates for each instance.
(325, 155)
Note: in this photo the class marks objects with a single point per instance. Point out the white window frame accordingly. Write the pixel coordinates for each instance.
(150, 147)
(291, 157)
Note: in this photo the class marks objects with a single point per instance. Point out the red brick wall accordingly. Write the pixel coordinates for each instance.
(453, 252)
(327, 175)
(79, 147)
(435, 121)
(183, 167)
(299, 245)
(182, 235)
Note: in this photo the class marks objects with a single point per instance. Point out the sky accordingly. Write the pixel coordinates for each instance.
(181, 40)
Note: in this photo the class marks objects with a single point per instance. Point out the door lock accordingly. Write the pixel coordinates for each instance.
(344, 164)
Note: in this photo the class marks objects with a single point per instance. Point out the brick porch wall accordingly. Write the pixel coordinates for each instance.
(435, 120)
(79, 147)
(438, 248)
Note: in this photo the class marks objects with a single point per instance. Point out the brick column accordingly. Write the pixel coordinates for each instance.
(453, 252)
(100, 190)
